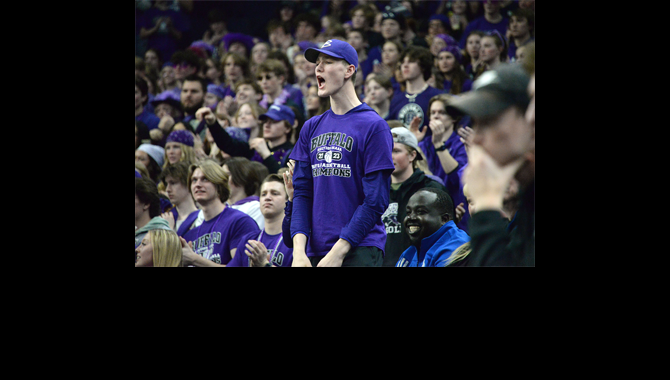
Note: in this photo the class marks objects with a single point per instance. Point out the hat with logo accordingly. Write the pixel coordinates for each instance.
(405, 136)
(334, 48)
(278, 112)
(493, 92)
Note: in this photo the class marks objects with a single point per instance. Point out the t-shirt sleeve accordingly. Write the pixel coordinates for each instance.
(378, 149)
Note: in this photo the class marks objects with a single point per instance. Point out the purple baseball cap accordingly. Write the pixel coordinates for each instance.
(278, 112)
(334, 48)
(168, 96)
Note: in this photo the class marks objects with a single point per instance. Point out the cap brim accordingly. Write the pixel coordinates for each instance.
(312, 54)
(477, 104)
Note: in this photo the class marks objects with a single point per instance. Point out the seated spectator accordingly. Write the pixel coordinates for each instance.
(179, 147)
(267, 248)
(175, 178)
(436, 240)
(159, 248)
(212, 233)
(243, 183)
(147, 209)
(152, 157)
(406, 180)
(141, 100)
(271, 76)
(378, 94)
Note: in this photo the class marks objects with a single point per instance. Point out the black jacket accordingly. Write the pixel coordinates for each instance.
(493, 244)
(397, 240)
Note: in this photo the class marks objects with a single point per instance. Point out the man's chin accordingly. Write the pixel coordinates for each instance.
(192, 110)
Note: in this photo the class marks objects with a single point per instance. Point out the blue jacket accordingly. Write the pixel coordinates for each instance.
(436, 248)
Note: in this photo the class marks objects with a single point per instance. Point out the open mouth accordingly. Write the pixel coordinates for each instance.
(412, 229)
(321, 82)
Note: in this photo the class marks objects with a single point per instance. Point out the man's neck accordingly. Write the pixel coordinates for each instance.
(185, 208)
(142, 220)
(382, 108)
(236, 195)
(416, 85)
(138, 111)
(493, 18)
(273, 224)
(276, 142)
(402, 176)
(212, 209)
(345, 99)
(275, 95)
(519, 41)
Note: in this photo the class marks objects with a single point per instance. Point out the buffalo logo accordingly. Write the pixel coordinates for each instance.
(329, 156)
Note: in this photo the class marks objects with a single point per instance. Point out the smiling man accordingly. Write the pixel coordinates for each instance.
(436, 241)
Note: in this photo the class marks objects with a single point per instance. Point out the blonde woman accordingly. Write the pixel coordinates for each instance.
(159, 248)
(179, 147)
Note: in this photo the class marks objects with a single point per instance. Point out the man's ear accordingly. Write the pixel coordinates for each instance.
(350, 71)
(445, 218)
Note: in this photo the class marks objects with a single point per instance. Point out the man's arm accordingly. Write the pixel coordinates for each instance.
(376, 187)
(222, 139)
(301, 219)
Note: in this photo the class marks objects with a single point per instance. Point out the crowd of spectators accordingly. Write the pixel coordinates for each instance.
(222, 90)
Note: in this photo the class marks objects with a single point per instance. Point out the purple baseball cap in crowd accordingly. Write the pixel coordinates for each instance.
(278, 112)
(168, 96)
(180, 136)
(334, 48)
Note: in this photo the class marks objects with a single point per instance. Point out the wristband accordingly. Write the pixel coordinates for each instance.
(442, 148)
(268, 265)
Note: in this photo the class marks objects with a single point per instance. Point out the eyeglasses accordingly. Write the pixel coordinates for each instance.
(266, 76)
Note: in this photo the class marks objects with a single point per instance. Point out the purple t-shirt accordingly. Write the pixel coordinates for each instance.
(280, 254)
(213, 239)
(341, 150)
(405, 109)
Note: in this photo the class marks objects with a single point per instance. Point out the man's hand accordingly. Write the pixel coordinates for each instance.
(439, 135)
(169, 217)
(300, 259)
(486, 180)
(460, 211)
(207, 114)
(187, 254)
(336, 256)
(466, 134)
(288, 179)
(414, 128)
(260, 146)
(257, 252)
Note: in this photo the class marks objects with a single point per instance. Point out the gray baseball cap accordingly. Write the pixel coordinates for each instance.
(493, 92)
(405, 136)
